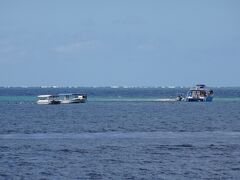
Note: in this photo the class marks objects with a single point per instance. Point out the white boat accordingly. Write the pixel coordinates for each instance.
(70, 98)
(199, 93)
(48, 99)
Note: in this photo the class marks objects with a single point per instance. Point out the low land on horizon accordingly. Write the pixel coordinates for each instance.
(115, 87)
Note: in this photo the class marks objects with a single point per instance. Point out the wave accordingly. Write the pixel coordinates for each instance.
(124, 135)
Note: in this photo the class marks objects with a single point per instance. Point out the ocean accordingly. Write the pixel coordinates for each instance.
(120, 133)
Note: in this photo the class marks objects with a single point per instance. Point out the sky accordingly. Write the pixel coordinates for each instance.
(119, 42)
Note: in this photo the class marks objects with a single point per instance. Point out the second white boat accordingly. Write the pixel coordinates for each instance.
(70, 98)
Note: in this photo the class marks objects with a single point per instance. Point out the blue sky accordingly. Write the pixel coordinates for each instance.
(127, 42)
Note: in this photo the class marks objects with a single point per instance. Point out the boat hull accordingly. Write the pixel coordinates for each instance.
(52, 102)
(207, 99)
(73, 101)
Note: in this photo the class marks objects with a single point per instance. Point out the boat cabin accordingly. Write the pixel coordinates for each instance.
(73, 98)
(48, 99)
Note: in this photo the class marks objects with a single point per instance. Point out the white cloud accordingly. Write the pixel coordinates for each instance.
(157, 45)
(130, 21)
(150, 45)
(11, 53)
(6, 50)
(6, 47)
(77, 46)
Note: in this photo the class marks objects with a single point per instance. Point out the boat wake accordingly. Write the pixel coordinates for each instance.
(133, 100)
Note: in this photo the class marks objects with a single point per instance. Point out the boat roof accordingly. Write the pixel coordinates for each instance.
(201, 85)
(71, 94)
(45, 96)
(198, 90)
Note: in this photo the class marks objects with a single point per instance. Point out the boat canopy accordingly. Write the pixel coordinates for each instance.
(47, 96)
(201, 85)
(72, 94)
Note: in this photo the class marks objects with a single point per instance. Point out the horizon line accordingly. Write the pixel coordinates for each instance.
(114, 87)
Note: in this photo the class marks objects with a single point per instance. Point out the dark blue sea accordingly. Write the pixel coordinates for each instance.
(120, 133)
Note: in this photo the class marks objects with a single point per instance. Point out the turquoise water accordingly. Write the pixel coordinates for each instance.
(32, 99)
(112, 94)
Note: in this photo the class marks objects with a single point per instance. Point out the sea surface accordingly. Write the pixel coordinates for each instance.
(120, 133)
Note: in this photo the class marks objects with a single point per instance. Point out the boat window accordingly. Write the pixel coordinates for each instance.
(42, 98)
(202, 93)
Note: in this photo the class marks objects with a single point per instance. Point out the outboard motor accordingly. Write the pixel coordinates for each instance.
(179, 97)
